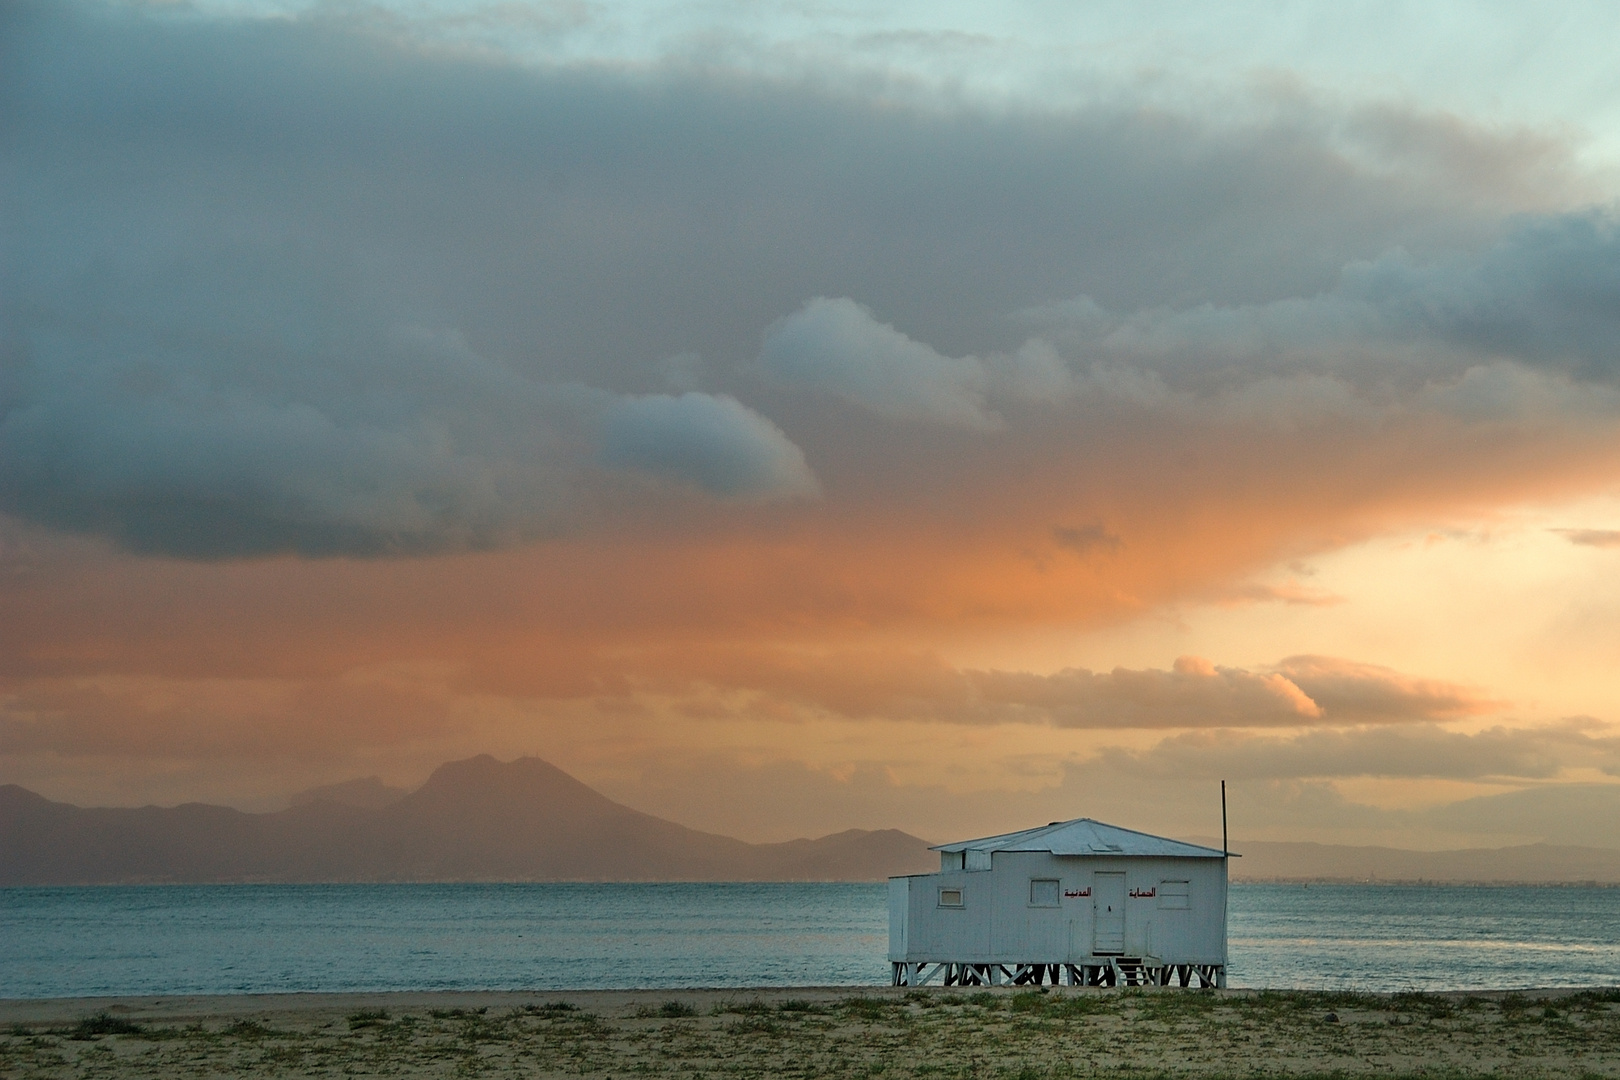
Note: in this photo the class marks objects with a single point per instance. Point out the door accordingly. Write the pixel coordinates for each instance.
(1108, 914)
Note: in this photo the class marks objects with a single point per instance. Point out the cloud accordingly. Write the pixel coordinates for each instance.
(191, 721)
(1599, 538)
(223, 229)
(839, 346)
(390, 704)
(407, 443)
(1544, 294)
(1197, 693)
(1290, 592)
(163, 454)
(1367, 693)
(1192, 693)
(714, 441)
(1547, 294)
(1423, 750)
(1085, 538)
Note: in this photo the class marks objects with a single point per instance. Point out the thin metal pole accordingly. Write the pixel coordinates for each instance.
(1226, 881)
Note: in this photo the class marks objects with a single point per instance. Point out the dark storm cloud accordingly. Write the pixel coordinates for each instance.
(1548, 294)
(1475, 335)
(408, 443)
(1545, 294)
(292, 285)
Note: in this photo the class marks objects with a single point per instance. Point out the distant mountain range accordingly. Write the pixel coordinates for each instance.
(369, 793)
(474, 820)
(526, 820)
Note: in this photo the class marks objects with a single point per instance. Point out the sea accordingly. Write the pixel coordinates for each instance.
(254, 939)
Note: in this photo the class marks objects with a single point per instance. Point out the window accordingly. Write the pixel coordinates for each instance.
(1044, 892)
(1173, 894)
(950, 898)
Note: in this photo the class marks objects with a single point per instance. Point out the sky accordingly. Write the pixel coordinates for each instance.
(795, 417)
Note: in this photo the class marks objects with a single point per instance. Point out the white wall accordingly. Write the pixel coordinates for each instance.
(997, 923)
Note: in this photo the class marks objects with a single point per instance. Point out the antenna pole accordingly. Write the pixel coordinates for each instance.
(1226, 862)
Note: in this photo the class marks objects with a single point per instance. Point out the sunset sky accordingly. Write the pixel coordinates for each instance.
(789, 418)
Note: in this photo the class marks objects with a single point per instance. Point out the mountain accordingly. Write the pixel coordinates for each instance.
(526, 820)
(369, 793)
(474, 820)
(1275, 861)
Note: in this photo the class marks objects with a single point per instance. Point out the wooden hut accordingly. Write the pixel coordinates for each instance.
(1077, 903)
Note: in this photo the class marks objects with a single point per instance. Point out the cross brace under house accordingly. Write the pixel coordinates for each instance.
(1109, 971)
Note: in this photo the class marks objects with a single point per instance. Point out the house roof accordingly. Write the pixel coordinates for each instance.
(1083, 836)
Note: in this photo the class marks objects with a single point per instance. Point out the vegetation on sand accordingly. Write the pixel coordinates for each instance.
(934, 1033)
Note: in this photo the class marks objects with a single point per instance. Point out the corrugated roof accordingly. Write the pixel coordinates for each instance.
(1083, 836)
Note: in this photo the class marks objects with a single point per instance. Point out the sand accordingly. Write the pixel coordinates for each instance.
(880, 1032)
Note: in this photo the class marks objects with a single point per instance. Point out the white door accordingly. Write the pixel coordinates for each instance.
(1108, 914)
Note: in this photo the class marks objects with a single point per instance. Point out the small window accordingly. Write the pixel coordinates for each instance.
(1043, 892)
(950, 898)
(1173, 894)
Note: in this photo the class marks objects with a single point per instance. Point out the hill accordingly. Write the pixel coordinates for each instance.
(474, 820)
(1526, 863)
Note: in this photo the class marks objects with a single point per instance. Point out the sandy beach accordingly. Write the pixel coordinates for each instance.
(811, 1032)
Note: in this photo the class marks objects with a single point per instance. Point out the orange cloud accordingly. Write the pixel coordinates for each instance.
(363, 711)
(1353, 693)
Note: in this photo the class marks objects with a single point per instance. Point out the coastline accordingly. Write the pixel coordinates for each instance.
(819, 1031)
(186, 1008)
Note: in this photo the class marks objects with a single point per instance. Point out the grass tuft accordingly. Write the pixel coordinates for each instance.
(754, 1025)
(367, 1018)
(102, 1023)
(868, 1008)
(1028, 1001)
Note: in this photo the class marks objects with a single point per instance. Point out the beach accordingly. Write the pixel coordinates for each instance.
(811, 1032)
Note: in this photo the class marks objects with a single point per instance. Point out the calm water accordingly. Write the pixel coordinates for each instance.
(279, 938)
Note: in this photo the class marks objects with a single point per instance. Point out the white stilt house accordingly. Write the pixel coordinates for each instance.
(1075, 903)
